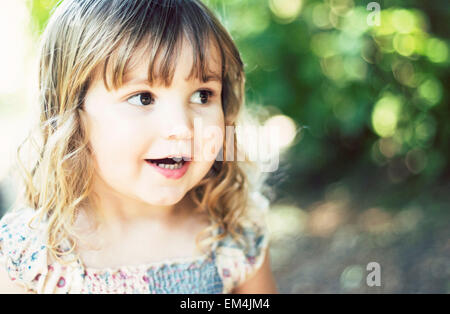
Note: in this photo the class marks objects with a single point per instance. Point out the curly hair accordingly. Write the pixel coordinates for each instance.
(84, 37)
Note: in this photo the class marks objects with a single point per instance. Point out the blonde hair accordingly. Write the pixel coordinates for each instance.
(84, 37)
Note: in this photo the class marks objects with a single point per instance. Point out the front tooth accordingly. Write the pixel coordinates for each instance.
(172, 167)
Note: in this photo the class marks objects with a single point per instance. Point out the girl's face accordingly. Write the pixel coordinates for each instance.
(138, 122)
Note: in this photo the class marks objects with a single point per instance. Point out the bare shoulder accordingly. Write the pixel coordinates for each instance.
(7, 286)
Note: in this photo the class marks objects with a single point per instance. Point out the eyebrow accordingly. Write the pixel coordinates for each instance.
(214, 77)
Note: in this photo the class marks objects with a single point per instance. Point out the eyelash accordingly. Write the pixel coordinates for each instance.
(210, 93)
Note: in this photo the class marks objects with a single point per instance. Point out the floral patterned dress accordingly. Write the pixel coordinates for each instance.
(24, 255)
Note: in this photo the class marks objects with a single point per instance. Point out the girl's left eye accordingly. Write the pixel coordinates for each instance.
(202, 96)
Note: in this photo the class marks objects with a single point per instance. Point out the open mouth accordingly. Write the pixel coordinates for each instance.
(168, 167)
(168, 163)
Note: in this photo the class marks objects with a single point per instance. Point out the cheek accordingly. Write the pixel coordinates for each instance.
(116, 144)
(212, 139)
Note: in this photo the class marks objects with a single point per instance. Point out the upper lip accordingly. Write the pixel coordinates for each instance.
(184, 156)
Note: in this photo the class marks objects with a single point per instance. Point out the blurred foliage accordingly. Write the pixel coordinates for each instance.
(40, 12)
(371, 101)
(373, 98)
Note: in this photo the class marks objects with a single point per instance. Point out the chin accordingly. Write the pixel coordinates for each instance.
(166, 198)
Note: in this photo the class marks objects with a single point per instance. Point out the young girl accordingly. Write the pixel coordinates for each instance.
(122, 197)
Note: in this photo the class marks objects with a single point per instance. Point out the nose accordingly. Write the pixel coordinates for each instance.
(179, 133)
(177, 123)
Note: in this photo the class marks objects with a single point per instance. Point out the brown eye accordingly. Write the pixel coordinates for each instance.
(142, 99)
(202, 96)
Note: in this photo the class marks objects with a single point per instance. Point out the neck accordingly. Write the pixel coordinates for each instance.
(113, 215)
(109, 222)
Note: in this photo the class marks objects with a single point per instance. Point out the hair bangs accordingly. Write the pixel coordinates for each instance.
(158, 28)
